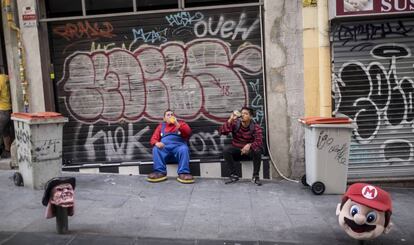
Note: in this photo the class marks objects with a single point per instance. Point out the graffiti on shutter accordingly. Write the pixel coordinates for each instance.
(373, 84)
(115, 79)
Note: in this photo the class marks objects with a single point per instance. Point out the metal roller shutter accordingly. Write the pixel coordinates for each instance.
(373, 83)
(116, 76)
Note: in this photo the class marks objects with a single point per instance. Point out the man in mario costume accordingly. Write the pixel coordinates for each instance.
(169, 142)
(365, 211)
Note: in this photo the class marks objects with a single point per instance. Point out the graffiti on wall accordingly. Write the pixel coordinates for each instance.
(35, 150)
(378, 95)
(336, 150)
(119, 145)
(201, 65)
(225, 28)
(23, 143)
(362, 35)
(184, 18)
(84, 30)
(199, 78)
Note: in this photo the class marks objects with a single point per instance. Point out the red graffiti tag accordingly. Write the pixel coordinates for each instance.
(84, 29)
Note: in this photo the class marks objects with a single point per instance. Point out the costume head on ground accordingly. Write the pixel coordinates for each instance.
(59, 191)
(365, 211)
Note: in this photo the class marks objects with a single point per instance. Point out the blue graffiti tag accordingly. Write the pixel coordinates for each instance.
(151, 36)
(183, 18)
(257, 102)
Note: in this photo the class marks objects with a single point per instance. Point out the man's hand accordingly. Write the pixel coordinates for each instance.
(159, 145)
(246, 149)
(232, 118)
(177, 124)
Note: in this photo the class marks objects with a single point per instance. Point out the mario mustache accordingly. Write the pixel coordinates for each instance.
(359, 228)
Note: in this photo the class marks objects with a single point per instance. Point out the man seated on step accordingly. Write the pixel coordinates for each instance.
(169, 142)
(247, 142)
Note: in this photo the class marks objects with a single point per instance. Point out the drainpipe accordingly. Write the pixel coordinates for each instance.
(325, 108)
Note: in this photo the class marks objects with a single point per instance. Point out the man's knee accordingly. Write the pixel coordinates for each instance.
(257, 153)
(183, 149)
(227, 150)
(155, 150)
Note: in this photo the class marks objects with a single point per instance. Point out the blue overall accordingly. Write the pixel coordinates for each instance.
(175, 150)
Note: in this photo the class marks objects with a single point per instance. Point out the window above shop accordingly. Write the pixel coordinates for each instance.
(200, 3)
(63, 8)
(108, 6)
(73, 8)
(143, 5)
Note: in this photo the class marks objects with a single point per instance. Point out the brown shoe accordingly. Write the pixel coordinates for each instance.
(185, 178)
(156, 177)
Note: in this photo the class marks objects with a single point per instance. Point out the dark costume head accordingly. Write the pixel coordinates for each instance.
(59, 191)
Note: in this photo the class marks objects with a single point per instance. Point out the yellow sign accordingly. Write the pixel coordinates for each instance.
(309, 3)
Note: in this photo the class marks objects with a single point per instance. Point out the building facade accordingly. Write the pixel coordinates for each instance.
(113, 69)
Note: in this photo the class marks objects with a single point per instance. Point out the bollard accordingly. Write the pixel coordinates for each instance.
(61, 220)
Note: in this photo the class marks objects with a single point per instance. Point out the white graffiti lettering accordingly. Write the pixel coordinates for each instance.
(118, 146)
(377, 96)
(226, 29)
(203, 143)
(199, 78)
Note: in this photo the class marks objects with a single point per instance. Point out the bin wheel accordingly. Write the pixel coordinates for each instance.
(303, 180)
(318, 188)
(18, 179)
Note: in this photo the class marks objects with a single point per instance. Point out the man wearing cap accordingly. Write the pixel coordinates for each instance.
(365, 211)
(169, 142)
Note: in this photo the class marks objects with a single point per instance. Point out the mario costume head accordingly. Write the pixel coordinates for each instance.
(365, 211)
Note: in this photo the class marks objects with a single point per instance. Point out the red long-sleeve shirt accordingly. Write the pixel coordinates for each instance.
(243, 136)
(184, 129)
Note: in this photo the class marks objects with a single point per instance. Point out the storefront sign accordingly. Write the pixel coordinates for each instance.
(369, 7)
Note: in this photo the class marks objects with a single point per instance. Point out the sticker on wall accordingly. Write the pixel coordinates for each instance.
(310, 3)
(29, 17)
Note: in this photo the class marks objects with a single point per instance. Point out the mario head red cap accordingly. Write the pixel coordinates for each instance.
(370, 196)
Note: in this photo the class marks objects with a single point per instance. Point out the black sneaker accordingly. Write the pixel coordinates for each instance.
(232, 178)
(256, 180)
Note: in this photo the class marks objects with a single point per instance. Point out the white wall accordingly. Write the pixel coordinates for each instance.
(284, 83)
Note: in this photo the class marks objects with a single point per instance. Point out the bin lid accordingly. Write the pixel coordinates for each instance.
(46, 114)
(39, 116)
(325, 120)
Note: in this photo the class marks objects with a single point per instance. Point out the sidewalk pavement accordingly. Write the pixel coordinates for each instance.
(119, 209)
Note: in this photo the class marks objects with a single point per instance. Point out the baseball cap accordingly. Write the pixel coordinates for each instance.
(369, 195)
